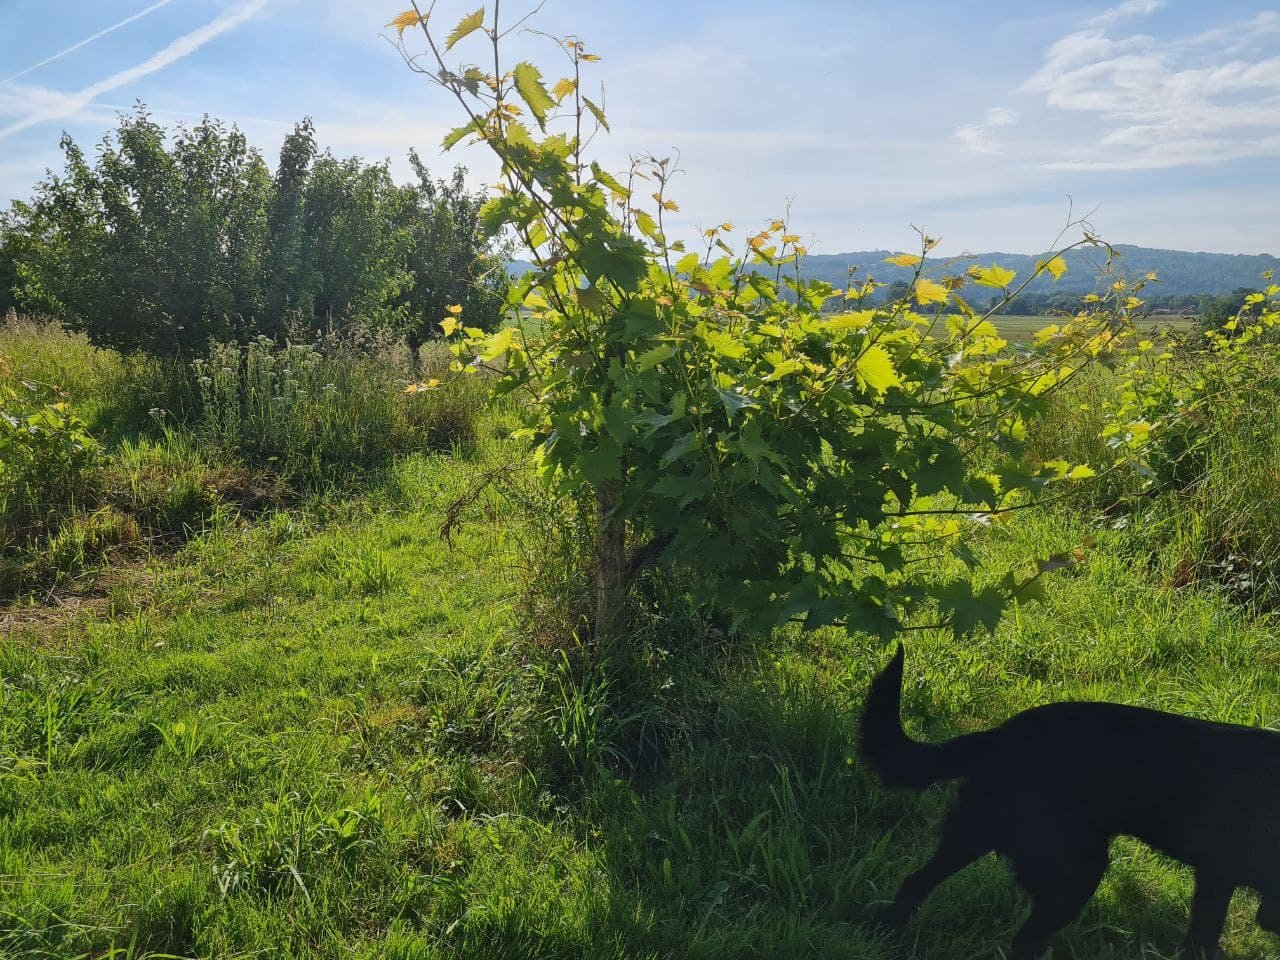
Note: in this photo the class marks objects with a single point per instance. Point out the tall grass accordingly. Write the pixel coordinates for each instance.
(1208, 510)
(317, 416)
(117, 396)
(1225, 523)
(142, 451)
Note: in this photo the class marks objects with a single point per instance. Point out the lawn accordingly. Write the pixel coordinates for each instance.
(325, 733)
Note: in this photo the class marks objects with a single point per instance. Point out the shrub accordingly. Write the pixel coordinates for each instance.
(49, 464)
(153, 247)
(711, 406)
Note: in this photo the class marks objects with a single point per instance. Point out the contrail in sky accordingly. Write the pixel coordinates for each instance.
(59, 105)
(87, 40)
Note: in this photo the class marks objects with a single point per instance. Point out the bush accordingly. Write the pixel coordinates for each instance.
(153, 247)
(49, 464)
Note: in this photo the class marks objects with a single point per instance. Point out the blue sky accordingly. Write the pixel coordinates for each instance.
(977, 120)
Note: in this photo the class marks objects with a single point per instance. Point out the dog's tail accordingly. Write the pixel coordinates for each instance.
(898, 760)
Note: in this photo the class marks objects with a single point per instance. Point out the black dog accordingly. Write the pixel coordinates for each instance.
(1049, 788)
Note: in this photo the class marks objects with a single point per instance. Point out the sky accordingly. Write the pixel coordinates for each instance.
(988, 123)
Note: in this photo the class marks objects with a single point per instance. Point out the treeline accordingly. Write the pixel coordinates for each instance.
(166, 241)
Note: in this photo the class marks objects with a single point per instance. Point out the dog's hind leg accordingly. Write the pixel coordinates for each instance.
(964, 840)
(1208, 914)
(1060, 882)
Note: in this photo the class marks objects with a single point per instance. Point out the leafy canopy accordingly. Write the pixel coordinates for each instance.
(168, 240)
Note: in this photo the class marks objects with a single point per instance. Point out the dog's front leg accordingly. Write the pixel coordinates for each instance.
(1208, 914)
(958, 849)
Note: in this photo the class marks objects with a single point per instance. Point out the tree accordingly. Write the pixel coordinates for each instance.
(288, 278)
(354, 244)
(803, 466)
(896, 291)
(1216, 312)
(451, 258)
(8, 271)
(167, 242)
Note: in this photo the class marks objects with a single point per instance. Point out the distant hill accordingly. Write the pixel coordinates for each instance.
(1180, 272)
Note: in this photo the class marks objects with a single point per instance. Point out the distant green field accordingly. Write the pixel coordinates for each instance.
(1019, 329)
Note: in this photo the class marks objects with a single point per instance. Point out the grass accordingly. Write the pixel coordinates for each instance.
(325, 734)
(312, 729)
(136, 452)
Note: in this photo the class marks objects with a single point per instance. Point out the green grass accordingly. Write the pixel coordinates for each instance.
(321, 732)
(174, 445)
(325, 734)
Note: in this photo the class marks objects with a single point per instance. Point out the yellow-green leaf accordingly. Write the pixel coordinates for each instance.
(651, 358)
(564, 86)
(875, 370)
(406, 20)
(596, 112)
(903, 260)
(783, 367)
(992, 276)
(529, 82)
(723, 344)
(1056, 266)
(929, 291)
(467, 25)
(498, 344)
(648, 226)
(457, 133)
(848, 322)
(607, 180)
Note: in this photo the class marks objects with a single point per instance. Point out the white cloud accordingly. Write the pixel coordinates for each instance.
(1130, 8)
(974, 136)
(36, 105)
(1204, 99)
